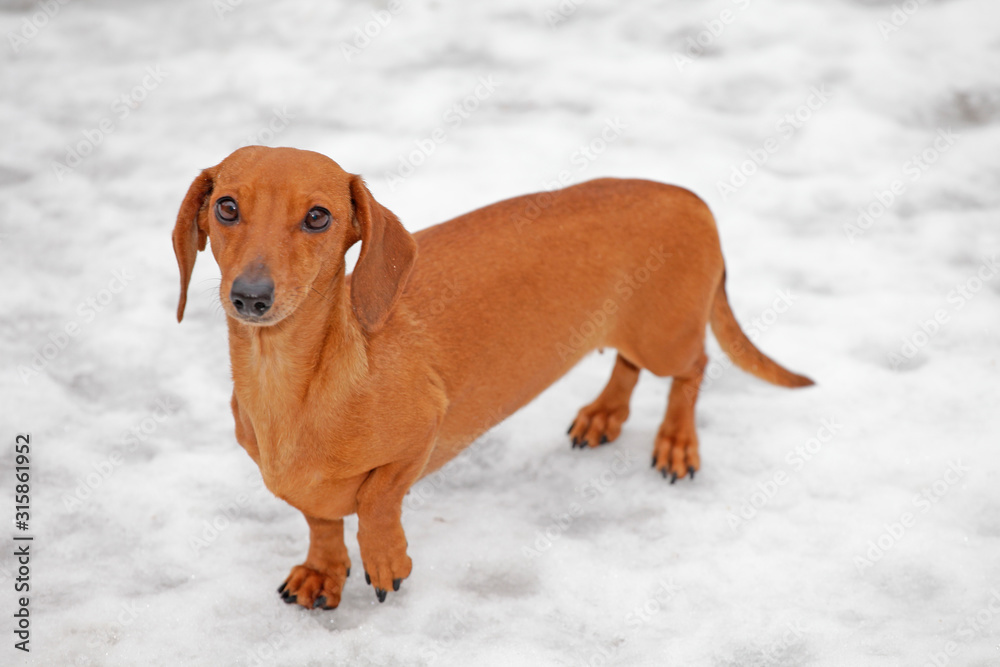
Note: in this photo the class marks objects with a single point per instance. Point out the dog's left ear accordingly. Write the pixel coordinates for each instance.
(189, 236)
(387, 255)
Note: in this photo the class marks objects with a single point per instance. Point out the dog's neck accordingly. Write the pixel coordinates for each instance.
(318, 348)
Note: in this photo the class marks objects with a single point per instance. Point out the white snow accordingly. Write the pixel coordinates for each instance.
(644, 573)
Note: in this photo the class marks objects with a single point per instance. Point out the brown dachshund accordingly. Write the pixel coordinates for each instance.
(349, 389)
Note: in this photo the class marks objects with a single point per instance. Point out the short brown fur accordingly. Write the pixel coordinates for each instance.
(356, 386)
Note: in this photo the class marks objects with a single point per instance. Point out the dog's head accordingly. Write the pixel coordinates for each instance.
(280, 221)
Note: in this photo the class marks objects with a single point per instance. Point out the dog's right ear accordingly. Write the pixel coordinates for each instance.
(189, 235)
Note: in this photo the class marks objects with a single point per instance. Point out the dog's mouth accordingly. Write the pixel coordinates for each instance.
(270, 319)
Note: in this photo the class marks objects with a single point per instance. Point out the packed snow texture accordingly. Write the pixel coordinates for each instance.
(849, 150)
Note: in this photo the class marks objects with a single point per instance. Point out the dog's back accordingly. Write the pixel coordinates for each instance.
(620, 263)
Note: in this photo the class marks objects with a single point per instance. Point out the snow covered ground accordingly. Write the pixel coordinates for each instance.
(850, 152)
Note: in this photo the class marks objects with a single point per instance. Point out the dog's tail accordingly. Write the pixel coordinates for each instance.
(742, 351)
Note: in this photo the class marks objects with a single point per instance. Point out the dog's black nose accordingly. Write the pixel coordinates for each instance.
(252, 297)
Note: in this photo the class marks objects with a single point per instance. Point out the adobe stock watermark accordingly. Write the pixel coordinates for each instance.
(912, 170)
(635, 619)
(774, 652)
(129, 441)
(87, 311)
(456, 629)
(278, 123)
(962, 294)
(364, 34)
(35, 23)
(267, 650)
(110, 633)
(562, 11)
(581, 158)
(590, 491)
(894, 531)
(716, 368)
(121, 108)
(484, 447)
(580, 338)
(588, 153)
(786, 127)
(899, 16)
(224, 7)
(452, 119)
(445, 297)
(796, 459)
(225, 515)
(694, 47)
(970, 628)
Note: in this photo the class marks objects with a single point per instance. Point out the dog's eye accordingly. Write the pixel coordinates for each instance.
(226, 211)
(316, 220)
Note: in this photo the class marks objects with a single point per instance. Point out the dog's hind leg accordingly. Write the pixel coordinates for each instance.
(676, 450)
(601, 421)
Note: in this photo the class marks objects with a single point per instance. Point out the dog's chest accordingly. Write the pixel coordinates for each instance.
(296, 465)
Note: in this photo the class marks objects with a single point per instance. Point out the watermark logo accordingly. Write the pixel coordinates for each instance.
(102, 470)
(590, 491)
(223, 7)
(562, 11)
(34, 24)
(796, 459)
(962, 294)
(366, 33)
(453, 118)
(581, 337)
(581, 158)
(787, 126)
(900, 16)
(121, 108)
(694, 47)
(716, 368)
(923, 502)
(278, 123)
(87, 312)
(912, 170)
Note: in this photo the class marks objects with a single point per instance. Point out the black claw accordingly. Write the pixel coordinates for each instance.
(396, 583)
(320, 602)
(584, 444)
(653, 464)
(604, 439)
(664, 473)
(380, 594)
(673, 477)
(691, 472)
(368, 580)
(289, 599)
(281, 589)
(570, 429)
(348, 572)
(576, 441)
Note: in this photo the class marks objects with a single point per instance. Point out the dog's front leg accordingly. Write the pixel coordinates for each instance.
(318, 582)
(380, 529)
(244, 431)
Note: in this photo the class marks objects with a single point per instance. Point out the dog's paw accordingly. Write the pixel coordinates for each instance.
(386, 569)
(313, 589)
(597, 424)
(676, 456)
